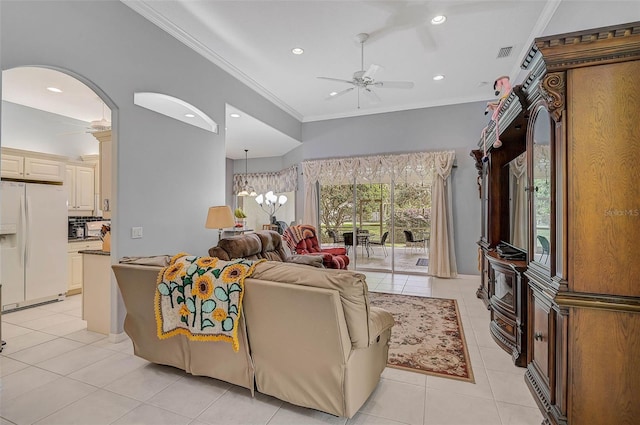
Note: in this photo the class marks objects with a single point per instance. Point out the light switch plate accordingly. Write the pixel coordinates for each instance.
(136, 232)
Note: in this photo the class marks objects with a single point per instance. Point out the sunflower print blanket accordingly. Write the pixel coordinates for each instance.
(201, 298)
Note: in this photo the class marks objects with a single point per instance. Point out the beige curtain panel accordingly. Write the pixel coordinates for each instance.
(518, 169)
(442, 257)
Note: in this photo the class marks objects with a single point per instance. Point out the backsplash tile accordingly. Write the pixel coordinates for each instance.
(75, 222)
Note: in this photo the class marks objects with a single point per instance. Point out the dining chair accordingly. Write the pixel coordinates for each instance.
(381, 242)
(544, 242)
(348, 240)
(412, 242)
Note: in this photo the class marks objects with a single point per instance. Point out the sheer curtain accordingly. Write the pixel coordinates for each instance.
(518, 168)
(442, 257)
(310, 213)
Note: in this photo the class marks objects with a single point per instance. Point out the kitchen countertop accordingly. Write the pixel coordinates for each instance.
(94, 252)
(92, 238)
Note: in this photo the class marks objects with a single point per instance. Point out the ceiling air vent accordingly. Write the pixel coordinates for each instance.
(504, 52)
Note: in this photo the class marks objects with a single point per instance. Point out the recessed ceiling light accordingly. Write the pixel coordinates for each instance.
(438, 77)
(189, 115)
(333, 93)
(54, 89)
(234, 115)
(297, 51)
(437, 20)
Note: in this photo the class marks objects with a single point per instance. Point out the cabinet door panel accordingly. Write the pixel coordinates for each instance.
(84, 188)
(44, 169)
(604, 146)
(604, 380)
(12, 166)
(541, 337)
(75, 271)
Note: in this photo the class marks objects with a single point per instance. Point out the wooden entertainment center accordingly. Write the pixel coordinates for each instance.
(563, 191)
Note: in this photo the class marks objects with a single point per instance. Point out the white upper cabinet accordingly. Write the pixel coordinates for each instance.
(80, 182)
(34, 168)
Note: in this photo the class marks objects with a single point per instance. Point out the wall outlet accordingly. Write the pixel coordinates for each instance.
(136, 232)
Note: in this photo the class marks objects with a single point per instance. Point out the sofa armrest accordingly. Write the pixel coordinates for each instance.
(308, 259)
(379, 321)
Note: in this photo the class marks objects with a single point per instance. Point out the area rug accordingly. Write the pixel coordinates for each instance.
(427, 337)
(422, 262)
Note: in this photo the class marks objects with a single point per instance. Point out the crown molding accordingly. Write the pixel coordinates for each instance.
(543, 20)
(390, 109)
(144, 9)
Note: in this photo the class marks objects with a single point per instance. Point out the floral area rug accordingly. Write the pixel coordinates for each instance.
(427, 337)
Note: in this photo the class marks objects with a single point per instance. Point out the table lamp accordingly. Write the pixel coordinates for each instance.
(219, 217)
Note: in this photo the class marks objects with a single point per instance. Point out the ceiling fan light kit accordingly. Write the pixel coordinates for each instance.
(364, 80)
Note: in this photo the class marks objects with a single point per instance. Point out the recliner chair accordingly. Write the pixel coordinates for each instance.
(303, 239)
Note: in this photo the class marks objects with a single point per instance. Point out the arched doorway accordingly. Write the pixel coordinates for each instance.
(54, 116)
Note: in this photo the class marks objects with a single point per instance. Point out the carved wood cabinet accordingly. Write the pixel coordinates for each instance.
(581, 102)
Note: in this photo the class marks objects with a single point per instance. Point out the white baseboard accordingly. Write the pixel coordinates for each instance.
(116, 338)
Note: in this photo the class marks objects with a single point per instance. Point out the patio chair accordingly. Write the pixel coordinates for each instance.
(544, 242)
(334, 235)
(348, 240)
(381, 242)
(412, 242)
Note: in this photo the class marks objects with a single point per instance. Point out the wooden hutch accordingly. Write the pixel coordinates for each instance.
(570, 312)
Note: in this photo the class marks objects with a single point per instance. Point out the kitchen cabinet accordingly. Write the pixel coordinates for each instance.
(81, 189)
(24, 165)
(74, 263)
(104, 137)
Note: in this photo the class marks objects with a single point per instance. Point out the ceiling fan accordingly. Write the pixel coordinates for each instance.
(364, 80)
(102, 124)
(95, 126)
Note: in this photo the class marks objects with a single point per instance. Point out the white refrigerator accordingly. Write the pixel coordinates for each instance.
(33, 243)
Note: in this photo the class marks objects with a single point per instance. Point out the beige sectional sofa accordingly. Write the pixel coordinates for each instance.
(307, 335)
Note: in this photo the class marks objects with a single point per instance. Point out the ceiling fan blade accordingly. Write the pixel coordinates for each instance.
(394, 84)
(371, 96)
(371, 72)
(336, 79)
(340, 93)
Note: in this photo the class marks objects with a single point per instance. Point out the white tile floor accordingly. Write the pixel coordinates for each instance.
(54, 371)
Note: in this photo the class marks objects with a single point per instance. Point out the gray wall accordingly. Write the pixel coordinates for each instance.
(168, 173)
(40, 131)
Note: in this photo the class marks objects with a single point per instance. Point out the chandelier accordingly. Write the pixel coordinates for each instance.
(270, 203)
(246, 189)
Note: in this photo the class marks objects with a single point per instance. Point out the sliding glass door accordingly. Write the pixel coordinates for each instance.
(412, 227)
(370, 220)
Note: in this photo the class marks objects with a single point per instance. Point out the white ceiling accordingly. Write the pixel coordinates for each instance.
(253, 40)
(28, 86)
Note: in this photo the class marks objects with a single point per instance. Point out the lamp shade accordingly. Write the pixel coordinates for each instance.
(219, 217)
